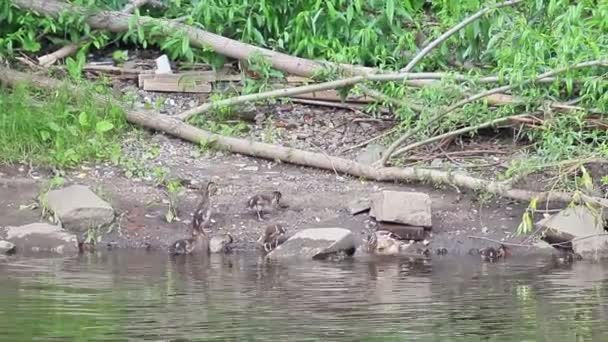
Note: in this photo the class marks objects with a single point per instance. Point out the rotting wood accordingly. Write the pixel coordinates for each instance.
(157, 122)
(182, 84)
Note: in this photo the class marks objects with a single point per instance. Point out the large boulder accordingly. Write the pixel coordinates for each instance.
(316, 243)
(411, 208)
(40, 237)
(579, 225)
(78, 208)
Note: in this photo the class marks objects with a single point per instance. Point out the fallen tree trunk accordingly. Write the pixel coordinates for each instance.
(157, 122)
(68, 50)
(118, 22)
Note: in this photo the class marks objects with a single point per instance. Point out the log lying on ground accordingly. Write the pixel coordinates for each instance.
(118, 22)
(157, 122)
(71, 49)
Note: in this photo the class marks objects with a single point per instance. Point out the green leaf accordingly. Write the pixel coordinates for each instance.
(103, 126)
(54, 127)
(390, 11)
(83, 119)
(45, 136)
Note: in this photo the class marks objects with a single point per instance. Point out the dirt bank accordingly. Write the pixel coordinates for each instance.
(315, 198)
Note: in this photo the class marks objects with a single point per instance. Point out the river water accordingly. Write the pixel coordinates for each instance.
(139, 296)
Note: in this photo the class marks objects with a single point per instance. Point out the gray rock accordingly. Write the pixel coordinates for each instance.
(220, 244)
(411, 208)
(41, 237)
(577, 222)
(79, 209)
(316, 243)
(6, 247)
(371, 154)
(407, 233)
(358, 205)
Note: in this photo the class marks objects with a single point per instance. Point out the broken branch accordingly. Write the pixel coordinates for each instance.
(155, 121)
(390, 151)
(459, 132)
(453, 30)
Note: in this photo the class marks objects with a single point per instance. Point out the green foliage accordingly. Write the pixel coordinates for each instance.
(516, 43)
(57, 128)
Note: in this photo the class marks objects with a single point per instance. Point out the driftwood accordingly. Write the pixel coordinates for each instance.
(157, 122)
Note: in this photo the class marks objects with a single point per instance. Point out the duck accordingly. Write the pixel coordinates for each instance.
(273, 236)
(492, 254)
(264, 202)
(384, 242)
(199, 239)
(197, 243)
(566, 257)
(202, 214)
(221, 244)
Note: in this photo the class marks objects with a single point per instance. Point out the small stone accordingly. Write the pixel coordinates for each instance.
(371, 154)
(251, 168)
(436, 163)
(6, 247)
(358, 205)
(484, 230)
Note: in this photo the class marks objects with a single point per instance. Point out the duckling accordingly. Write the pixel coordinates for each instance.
(202, 215)
(384, 242)
(197, 243)
(566, 257)
(221, 244)
(441, 251)
(492, 254)
(263, 202)
(273, 236)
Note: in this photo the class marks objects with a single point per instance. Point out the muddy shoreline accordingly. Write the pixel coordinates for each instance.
(315, 199)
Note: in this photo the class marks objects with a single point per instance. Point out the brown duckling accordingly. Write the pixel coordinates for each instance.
(263, 202)
(384, 242)
(202, 215)
(197, 243)
(221, 244)
(273, 236)
(566, 257)
(492, 254)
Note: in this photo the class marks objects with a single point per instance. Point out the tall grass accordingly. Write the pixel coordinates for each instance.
(57, 128)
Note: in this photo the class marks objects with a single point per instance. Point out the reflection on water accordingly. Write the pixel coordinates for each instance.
(147, 296)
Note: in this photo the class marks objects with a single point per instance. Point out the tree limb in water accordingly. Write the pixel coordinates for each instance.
(157, 122)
